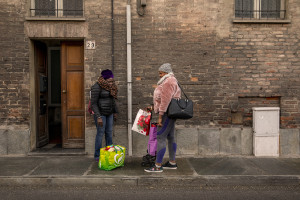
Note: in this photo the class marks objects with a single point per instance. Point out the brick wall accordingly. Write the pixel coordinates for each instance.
(216, 61)
(242, 113)
(14, 73)
(168, 32)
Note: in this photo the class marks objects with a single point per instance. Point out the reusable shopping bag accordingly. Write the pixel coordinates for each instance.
(142, 122)
(111, 157)
(152, 142)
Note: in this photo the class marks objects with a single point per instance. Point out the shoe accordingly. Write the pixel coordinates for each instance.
(168, 165)
(96, 159)
(154, 169)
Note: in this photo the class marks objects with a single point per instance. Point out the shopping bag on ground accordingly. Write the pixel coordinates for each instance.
(152, 142)
(142, 122)
(111, 157)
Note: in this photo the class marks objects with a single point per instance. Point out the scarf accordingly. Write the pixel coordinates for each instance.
(111, 88)
(164, 78)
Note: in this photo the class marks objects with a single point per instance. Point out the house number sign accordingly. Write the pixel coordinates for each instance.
(90, 44)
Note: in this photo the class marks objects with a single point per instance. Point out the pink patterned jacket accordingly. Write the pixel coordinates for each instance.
(164, 92)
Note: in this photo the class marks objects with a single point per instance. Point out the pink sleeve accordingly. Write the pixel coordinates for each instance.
(168, 90)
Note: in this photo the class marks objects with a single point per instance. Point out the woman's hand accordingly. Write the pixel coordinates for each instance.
(99, 121)
(115, 116)
(159, 121)
(149, 108)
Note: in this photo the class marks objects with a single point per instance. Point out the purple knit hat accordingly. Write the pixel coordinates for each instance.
(106, 74)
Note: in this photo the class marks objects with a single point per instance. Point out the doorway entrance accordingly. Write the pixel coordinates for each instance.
(59, 93)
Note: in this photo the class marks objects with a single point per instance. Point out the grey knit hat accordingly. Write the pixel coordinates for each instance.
(165, 68)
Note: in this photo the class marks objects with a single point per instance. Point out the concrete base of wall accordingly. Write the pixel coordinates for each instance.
(190, 141)
(289, 141)
(204, 141)
(14, 142)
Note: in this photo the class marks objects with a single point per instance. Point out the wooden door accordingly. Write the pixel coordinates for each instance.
(40, 56)
(72, 94)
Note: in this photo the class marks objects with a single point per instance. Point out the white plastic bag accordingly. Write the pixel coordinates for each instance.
(142, 122)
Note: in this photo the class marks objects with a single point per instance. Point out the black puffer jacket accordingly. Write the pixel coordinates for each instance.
(102, 102)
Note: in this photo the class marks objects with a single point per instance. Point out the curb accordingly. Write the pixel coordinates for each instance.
(211, 180)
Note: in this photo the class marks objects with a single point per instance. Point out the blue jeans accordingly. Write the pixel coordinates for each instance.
(107, 129)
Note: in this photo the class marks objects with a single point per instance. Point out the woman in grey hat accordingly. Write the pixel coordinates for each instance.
(167, 88)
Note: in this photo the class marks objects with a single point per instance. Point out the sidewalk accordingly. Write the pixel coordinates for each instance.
(82, 170)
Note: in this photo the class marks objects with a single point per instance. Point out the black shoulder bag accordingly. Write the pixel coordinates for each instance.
(180, 108)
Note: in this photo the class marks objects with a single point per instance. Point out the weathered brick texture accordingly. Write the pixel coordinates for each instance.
(14, 64)
(218, 62)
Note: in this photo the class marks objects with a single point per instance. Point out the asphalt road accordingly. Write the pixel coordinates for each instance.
(153, 193)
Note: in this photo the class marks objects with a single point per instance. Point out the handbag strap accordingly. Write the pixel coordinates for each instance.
(182, 91)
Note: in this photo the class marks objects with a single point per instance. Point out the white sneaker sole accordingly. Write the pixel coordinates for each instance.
(153, 171)
(170, 167)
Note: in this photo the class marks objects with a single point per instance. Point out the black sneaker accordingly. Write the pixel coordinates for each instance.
(154, 169)
(168, 165)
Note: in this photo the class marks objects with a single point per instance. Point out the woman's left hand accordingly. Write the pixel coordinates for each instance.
(115, 116)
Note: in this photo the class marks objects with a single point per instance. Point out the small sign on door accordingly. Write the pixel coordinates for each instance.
(90, 44)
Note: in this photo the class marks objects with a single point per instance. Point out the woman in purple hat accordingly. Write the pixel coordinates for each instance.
(103, 96)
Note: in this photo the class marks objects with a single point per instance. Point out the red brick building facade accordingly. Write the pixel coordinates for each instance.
(228, 56)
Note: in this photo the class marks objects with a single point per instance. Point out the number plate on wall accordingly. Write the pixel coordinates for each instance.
(90, 44)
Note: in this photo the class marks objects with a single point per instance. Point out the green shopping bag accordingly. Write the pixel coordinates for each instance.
(111, 157)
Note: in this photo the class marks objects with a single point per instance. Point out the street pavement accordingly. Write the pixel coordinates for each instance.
(192, 171)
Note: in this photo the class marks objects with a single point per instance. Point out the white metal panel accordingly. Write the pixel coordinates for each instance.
(266, 146)
(266, 121)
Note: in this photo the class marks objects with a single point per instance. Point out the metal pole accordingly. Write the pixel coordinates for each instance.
(129, 78)
(112, 37)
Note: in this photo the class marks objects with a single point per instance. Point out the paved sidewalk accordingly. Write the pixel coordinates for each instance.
(82, 170)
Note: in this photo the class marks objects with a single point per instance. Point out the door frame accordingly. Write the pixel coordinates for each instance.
(33, 99)
(34, 109)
